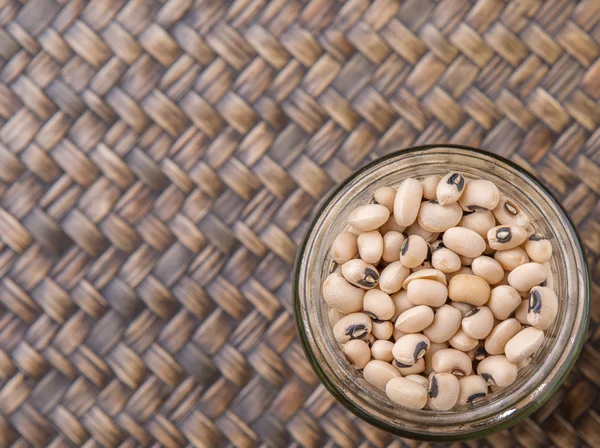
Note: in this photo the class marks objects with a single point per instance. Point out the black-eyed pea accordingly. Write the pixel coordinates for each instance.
(450, 188)
(427, 292)
(392, 242)
(504, 299)
(410, 348)
(378, 305)
(416, 229)
(478, 353)
(463, 342)
(449, 360)
(543, 307)
(442, 392)
(521, 312)
(415, 319)
(488, 269)
(335, 315)
(385, 196)
(391, 226)
(378, 373)
(469, 289)
(466, 261)
(508, 212)
(472, 389)
(511, 258)
(392, 277)
(480, 222)
(446, 323)
(524, 344)
(443, 259)
(368, 217)
(478, 322)
(407, 201)
(463, 270)
(382, 350)
(506, 237)
(435, 217)
(357, 353)
(526, 276)
(464, 242)
(370, 246)
(382, 329)
(344, 247)
(406, 393)
(434, 347)
(463, 307)
(414, 251)
(500, 335)
(430, 184)
(341, 295)
(360, 273)
(425, 274)
(370, 339)
(538, 248)
(352, 326)
(401, 303)
(479, 194)
(497, 371)
(419, 379)
(397, 334)
(418, 367)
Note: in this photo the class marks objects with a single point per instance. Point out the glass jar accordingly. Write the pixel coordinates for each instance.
(535, 383)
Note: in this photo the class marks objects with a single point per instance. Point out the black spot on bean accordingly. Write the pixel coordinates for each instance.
(475, 397)
(458, 180)
(420, 350)
(544, 283)
(404, 247)
(433, 388)
(480, 353)
(401, 365)
(371, 314)
(535, 302)
(472, 312)
(357, 331)
(474, 208)
(370, 278)
(511, 208)
(488, 378)
(536, 237)
(503, 234)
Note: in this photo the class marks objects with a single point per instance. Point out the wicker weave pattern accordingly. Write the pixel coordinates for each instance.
(159, 160)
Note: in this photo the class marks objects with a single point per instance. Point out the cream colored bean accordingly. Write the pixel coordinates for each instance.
(391, 226)
(341, 295)
(425, 274)
(378, 373)
(478, 322)
(368, 217)
(406, 393)
(344, 247)
(478, 352)
(382, 329)
(508, 212)
(407, 202)
(500, 335)
(443, 259)
(392, 242)
(504, 299)
(452, 361)
(335, 315)
(419, 379)
(524, 344)
(430, 184)
(392, 277)
(352, 326)
(464, 308)
(463, 342)
(497, 371)
(370, 246)
(526, 276)
(401, 303)
(360, 273)
(416, 229)
(357, 353)
(479, 194)
(521, 312)
(549, 275)
(479, 222)
(488, 269)
(382, 350)
(385, 196)
(463, 270)
(413, 251)
(464, 242)
(543, 307)
(378, 305)
(418, 367)
(472, 389)
(410, 348)
(432, 349)
(446, 323)
(506, 237)
(469, 289)
(427, 292)
(438, 218)
(450, 188)
(415, 319)
(466, 261)
(511, 258)
(443, 391)
(538, 248)
(397, 334)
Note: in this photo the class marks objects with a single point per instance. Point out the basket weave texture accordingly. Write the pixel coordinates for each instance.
(159, 162)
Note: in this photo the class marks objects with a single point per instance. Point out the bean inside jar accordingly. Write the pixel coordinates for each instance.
(442, 290)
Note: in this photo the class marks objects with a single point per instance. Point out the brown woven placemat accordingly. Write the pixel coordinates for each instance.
(159, 161)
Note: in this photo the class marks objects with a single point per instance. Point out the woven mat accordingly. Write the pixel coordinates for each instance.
(159, 161)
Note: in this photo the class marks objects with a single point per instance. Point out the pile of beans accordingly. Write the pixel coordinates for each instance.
(440, 291)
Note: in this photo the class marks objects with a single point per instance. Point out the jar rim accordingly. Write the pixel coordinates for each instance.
(560, 371)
